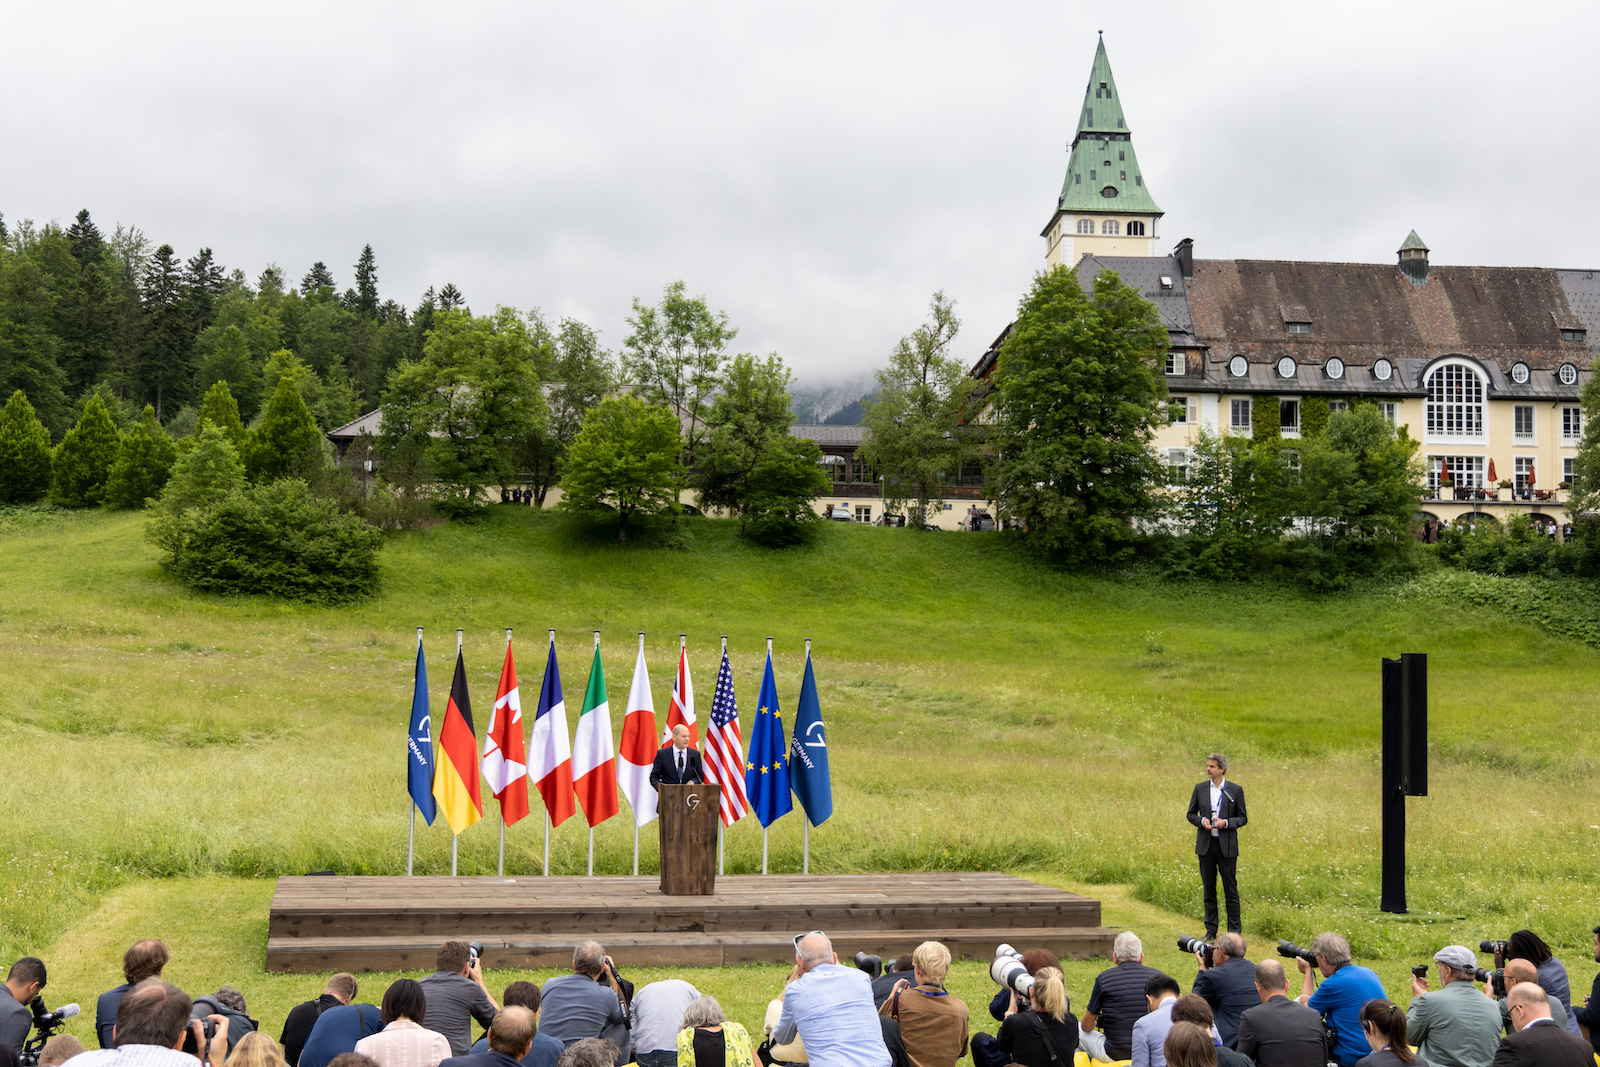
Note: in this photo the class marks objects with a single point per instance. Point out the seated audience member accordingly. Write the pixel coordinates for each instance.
(710, 1039)
(1538, 1040)
(933, 1023)
(589, 1052)
(1043, 1026)
(1034, 960)
(1521, 971)
(152, 1025)
(1280, 1032)
(830, 1008)
(793, 1051)
(1385, 1028)
(1527, 945)
(1340, 997)
(337, 1031)
(404, 1040)
(510, 1039)
(59, 1050)
(341, 989)
(1589, 1014)
(1453, 1026)
(884, 984)
(1150, 1030)
(456, 995)
(588, 1002)
(1192, 1008)
(256, 1049)
(351, 1059)
(22, 984)
(1189, 1045)
(890, 1031)
(655, 1017)
(228, 1003)
(1116, 1002)
(545, 1049)
(144, 959)
(1227, 981)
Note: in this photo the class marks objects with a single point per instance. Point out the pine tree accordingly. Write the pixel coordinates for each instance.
(144, 462)
(161, 366)
(83, 460)
(219, 409)
(318, 281)
(450, 297)
(366, 285)
(286, 434)
(88, 244)
(24, 452)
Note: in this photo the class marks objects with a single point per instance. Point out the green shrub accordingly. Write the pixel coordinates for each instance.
(221, 410)
(287, 432)
(274, 540)
(144, 462)
(82, 462)
(24, 453)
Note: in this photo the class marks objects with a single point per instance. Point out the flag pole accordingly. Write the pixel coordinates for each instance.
(591, 828)
(411, 833)
(502, 867)
(453, 835)
(547, 807)
(721, 840)
(764, 829)
(636, 814)
(805, 816)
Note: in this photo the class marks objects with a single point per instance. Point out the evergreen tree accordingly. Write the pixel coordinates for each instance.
(366, 305)
(88, 245)
(83, 460)
(144, 462)
(317, 283)
(219, 409)
(30, 349)
(205, 474)
(164, 368)
(286, 434)
(450, 297)
(24, 453)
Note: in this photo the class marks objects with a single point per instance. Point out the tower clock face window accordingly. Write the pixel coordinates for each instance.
(1238, 366)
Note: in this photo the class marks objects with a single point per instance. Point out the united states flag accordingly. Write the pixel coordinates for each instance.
(723, 749)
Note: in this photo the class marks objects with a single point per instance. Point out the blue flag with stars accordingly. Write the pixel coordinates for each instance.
(419, 745)
(808, 753)
(766, 773)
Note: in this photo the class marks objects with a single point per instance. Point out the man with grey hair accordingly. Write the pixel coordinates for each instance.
(1227, 982)
(586, 1003)
(1117, 1002)
(831, 1008)
(1453, 1026)
(1344, 990)
(1216, 808)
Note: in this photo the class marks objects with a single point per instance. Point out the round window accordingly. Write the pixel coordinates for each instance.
(1286, 367)
(1383, 370)
(1334, 368)
(1238, 366)
(1567, 373)
(1519, 373)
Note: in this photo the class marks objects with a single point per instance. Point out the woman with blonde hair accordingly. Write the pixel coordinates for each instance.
(1189, 1045)
(256, 1049)
(710, 1039)
(1030, 1035)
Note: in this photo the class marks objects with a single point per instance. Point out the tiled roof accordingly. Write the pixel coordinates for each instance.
(1159, 280)
(830, 435)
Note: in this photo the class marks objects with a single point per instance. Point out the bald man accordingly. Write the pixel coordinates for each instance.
(830, 1007)
(1538, 1042)
(1518, 971)
(677, 763)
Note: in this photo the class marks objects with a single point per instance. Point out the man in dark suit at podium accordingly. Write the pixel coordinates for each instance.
(677, 764)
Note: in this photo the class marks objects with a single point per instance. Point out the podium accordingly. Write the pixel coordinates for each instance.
(689, 818)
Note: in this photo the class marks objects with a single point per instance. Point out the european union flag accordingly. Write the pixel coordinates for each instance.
(419, 745)
(808, 753)
(766, 768)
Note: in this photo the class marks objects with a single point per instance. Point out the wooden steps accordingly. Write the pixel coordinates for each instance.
(334, 923)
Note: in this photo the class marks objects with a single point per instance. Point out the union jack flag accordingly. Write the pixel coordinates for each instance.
(723, 748)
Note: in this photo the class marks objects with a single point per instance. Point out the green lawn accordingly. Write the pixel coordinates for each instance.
(167, 753)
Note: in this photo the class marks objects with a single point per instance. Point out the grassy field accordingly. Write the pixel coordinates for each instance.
(168, 753)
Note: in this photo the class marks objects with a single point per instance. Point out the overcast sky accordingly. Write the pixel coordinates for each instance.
(817, 170)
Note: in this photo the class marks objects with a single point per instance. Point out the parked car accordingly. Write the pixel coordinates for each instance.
(840, 514)
(890, 520)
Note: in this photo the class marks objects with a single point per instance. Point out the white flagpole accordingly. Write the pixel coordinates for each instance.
(453, 834)
(591, 829)
(764, 829)
(502, 868)
(805, 816)
(636, 814)
(721, 847)
(547, 809)
(411, 834)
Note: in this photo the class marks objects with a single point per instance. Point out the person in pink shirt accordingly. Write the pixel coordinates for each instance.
(404, 1041)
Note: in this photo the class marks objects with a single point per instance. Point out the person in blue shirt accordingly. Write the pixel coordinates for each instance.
(337, 1030)
(830, 1007)
(1345, 988)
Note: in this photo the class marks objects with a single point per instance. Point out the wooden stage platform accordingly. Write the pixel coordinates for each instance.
(322, 923)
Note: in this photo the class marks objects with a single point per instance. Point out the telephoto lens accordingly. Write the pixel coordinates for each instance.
(1492, 946)
(1295, 952)
(1007, 970)
(1194, 944)
(873, 965)
(476, 948)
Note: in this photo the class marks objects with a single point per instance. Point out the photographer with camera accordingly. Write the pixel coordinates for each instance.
(1453, 1026)
(1515, 973)
(933, 1022)
(1031, 1033)
(1227, 982)
(26, 978)
(1527, 945)
(456, 995)
(153, 1027)
(589, 1002)
(1345, 988)
(1006, 1000)
(144, 959)
(1116, 1002)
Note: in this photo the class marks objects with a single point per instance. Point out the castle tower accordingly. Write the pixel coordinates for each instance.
(1105, 208)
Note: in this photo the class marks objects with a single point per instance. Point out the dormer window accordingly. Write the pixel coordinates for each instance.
(1109, 191)
(1166, 281)
(1574, 335)
(1297, 327)
(1175, 363)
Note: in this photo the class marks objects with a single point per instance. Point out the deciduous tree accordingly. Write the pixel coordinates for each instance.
(625, 460)
(675, 356)
(580, 373)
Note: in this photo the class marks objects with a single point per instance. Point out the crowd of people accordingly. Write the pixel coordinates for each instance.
(1237, 1014)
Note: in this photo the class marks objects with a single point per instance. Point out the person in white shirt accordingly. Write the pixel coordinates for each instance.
(1216, 808)
(404, 1041)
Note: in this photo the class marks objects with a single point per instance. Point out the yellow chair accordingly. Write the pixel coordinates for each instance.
(1081, 1059)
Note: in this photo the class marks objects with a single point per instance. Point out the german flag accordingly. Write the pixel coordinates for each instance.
(455, 766)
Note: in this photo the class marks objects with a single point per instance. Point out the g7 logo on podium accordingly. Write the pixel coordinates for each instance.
(692, 800)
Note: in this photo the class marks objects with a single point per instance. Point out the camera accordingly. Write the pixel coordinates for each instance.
(46, 1024)
(1498, 978)
(475, 949)
(1194, 944)
(1007, 971)
(873, 965)
(1493, 946)
(207, 1027)
(1293, 951)
(1421, 971)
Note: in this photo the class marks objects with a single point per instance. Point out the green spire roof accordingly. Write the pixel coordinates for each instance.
(1413, 242)
(1103, 174)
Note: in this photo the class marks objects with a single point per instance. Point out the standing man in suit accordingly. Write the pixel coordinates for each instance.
(677, 764)
(1538, 1039)
(1217, 810)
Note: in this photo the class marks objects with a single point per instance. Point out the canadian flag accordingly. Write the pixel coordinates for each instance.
(681, 713)
(505, 757)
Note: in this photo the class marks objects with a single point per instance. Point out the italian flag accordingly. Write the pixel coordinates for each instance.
(594, 761)
(639, 745)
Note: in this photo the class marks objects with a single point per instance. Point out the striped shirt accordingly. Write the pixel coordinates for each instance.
(405, 1044)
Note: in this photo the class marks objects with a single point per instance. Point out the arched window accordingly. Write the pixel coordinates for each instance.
(1135, 229)
(1086, 225)
(1109, 226)
(1455, 401)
